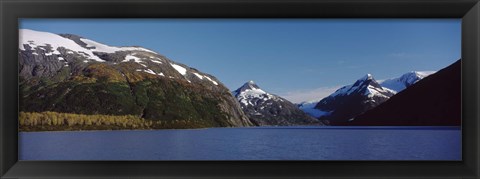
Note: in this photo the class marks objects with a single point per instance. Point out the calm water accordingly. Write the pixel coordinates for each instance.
(290, 143)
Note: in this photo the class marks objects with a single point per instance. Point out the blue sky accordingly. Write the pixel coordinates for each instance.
(299, 59)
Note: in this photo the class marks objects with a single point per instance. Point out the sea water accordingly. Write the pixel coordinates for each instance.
(252, 143)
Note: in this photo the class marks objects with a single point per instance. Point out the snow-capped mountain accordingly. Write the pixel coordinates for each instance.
(406, 80)
(70, 73)
(393, 85)
(268, 109)
(433, 101)
(352, 100)
(55, 52)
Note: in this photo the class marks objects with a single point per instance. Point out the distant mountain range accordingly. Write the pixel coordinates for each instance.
(339, 108)
(66, 73)
(366, 93)
(268, 109)
(435, 101)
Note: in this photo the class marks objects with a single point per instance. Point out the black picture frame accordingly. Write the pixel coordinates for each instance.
(468, 10)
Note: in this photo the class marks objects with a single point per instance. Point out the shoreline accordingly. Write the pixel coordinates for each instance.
(284, 127)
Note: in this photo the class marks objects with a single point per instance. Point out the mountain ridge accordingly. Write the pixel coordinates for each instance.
(58, 74)
(405, 80)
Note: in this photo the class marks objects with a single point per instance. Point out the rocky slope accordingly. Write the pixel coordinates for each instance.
(267, 109)
(435, 100)
(71, 74)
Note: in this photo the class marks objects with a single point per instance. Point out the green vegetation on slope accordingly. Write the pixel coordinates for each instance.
(151, 99)
(111, 89)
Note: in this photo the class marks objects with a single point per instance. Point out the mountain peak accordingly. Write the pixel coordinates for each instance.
(351, 100)
(366, 81)
(368, 76)
(250, 85)
(269, 109)
(362, 85)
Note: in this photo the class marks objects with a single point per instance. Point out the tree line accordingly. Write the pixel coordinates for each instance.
(54, 121)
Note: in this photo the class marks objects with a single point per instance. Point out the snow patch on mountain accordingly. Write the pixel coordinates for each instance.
(99, 47)
(37, 39)
(198, 75)
(209, 79)
(130, 57)
(150, 71)
(404, 81)
(343, 90)
(40, 40)
(50, 44)
(244, 96)
(309, 108)
(250, 92)
(206, 77)
(156, 61)
(179, 69)
(375, 91)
